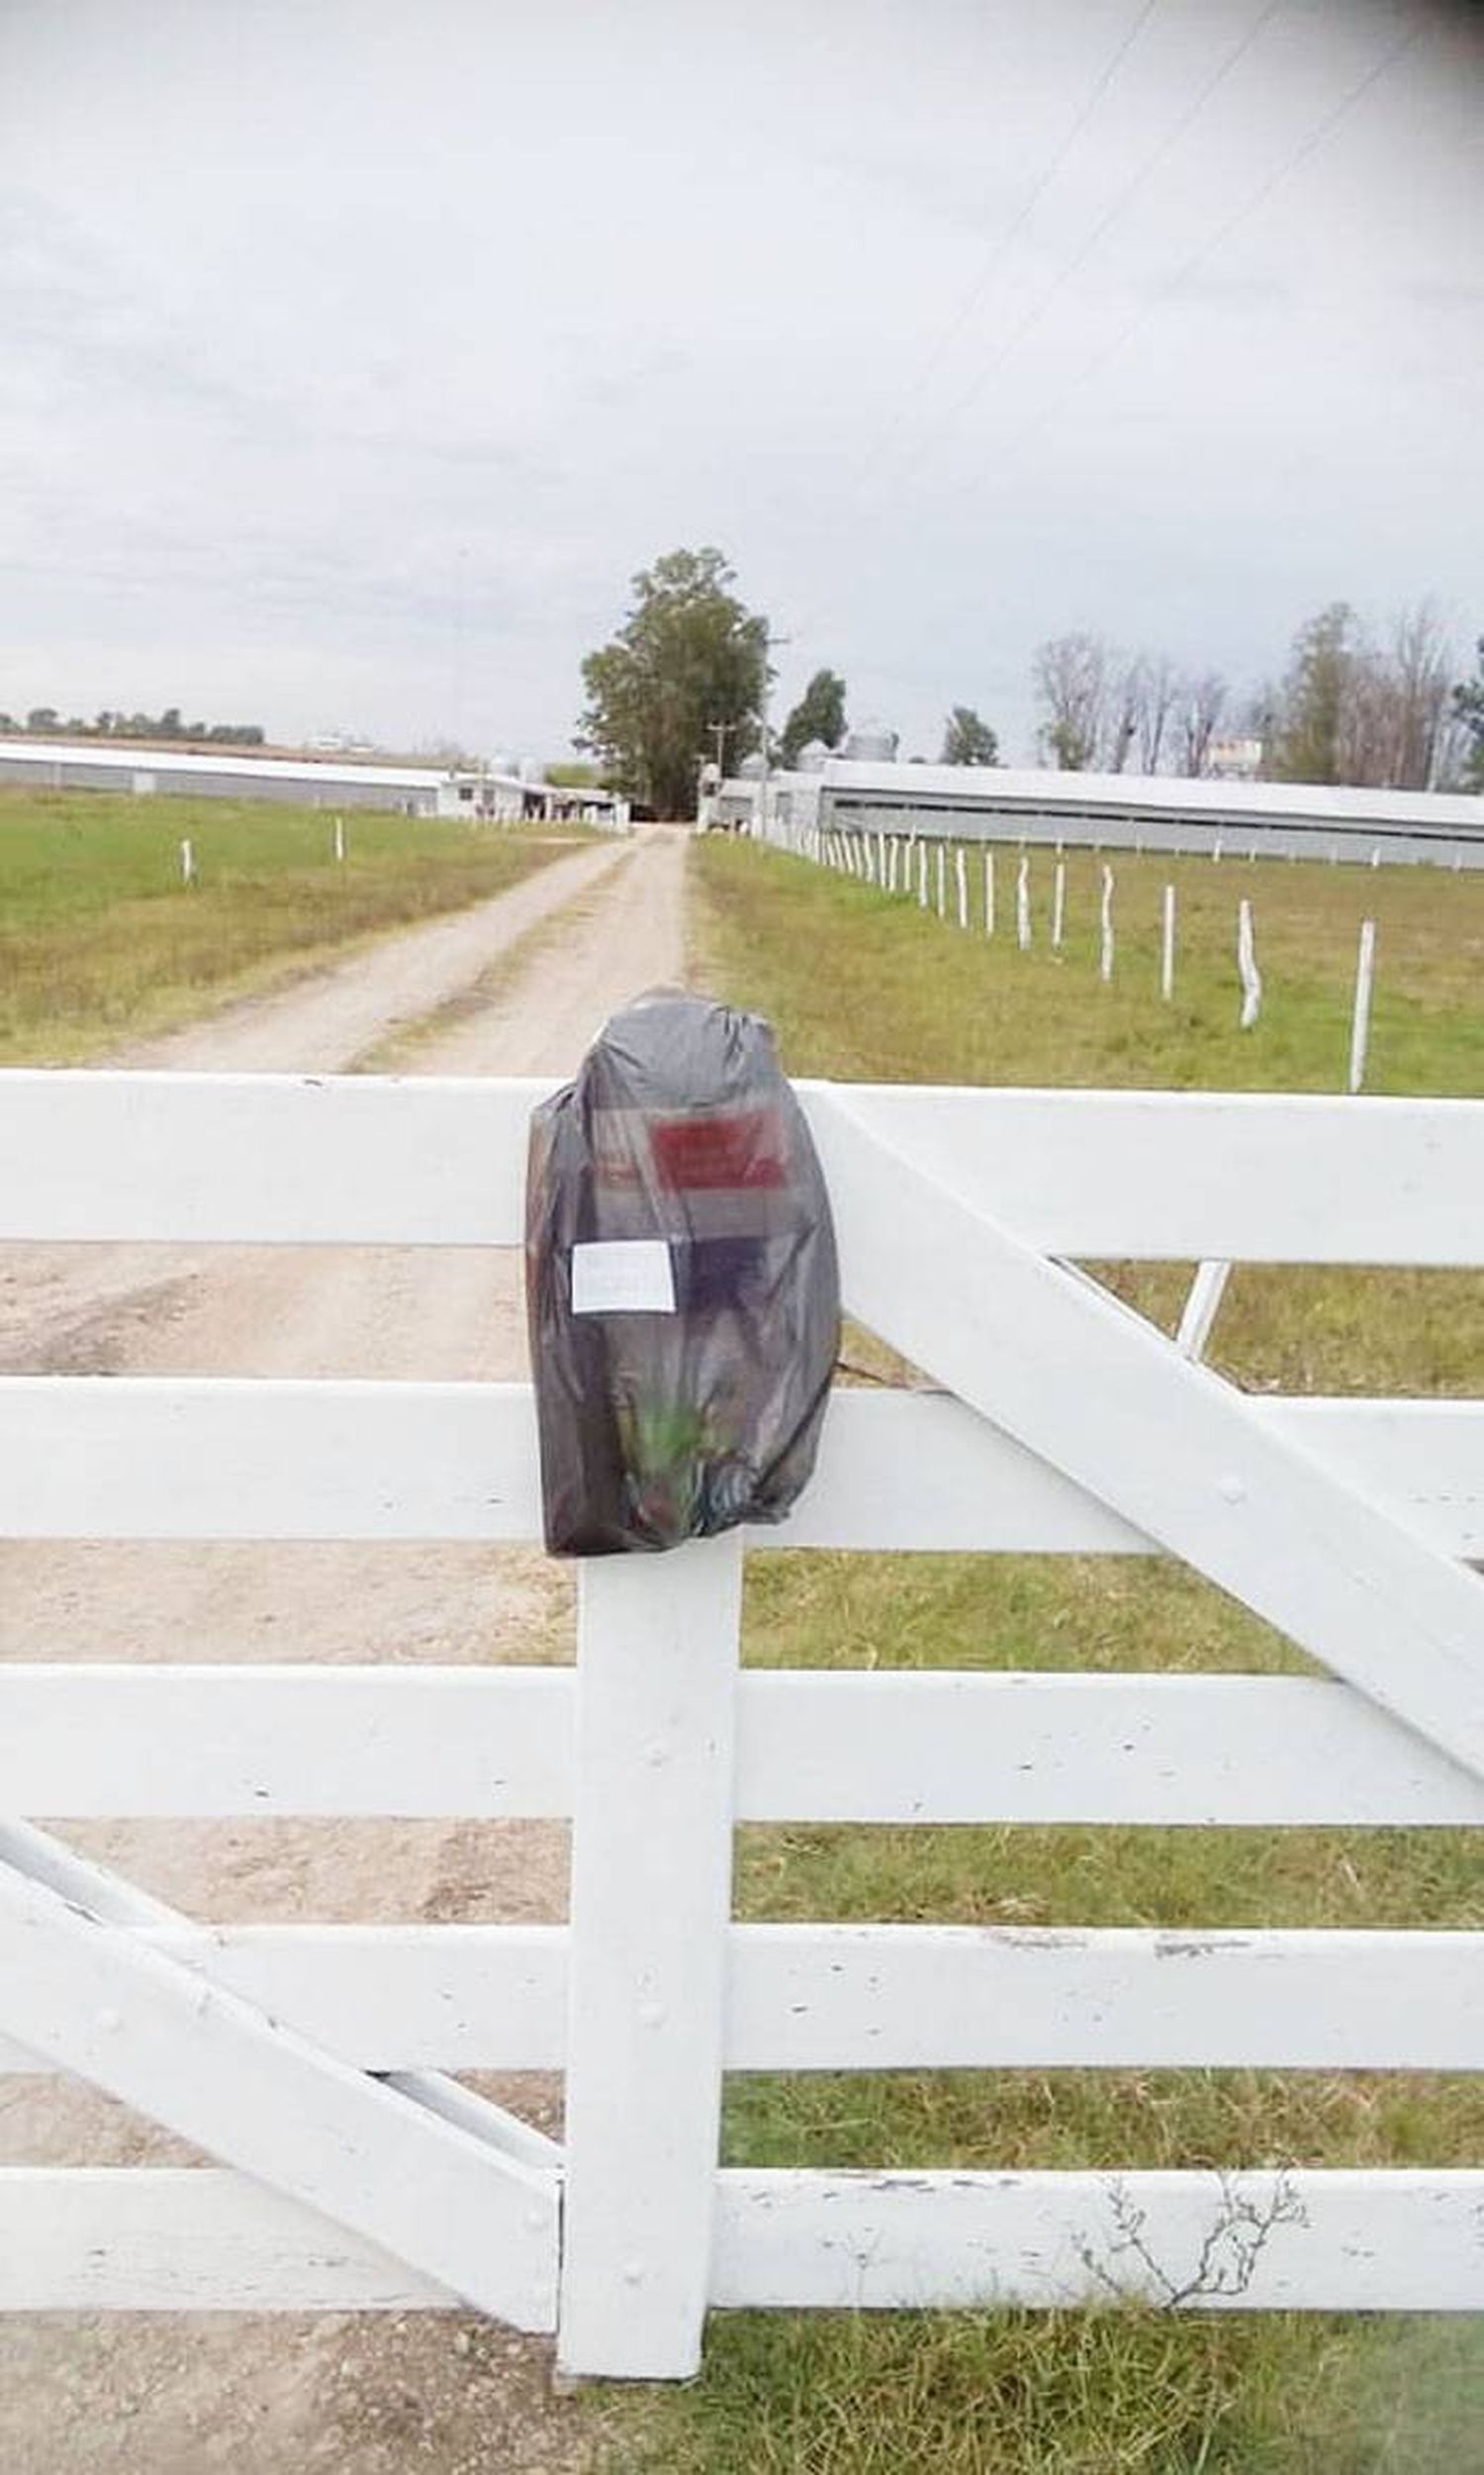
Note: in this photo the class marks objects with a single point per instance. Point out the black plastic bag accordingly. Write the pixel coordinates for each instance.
(681, 1284)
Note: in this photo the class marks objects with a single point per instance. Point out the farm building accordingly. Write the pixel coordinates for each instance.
(477, 791)
(1161, 813)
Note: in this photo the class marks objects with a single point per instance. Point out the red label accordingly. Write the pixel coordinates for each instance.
(735, 1151)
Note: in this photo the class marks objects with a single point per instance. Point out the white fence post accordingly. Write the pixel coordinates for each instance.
(1105, 964)
(1247, 963)
(1202, 1305)
(988, 893)
(1058, 905)
(961, 874)
(1023, 904)
(922, 875)
(339, 837)
(942, 883)
(187, 863)
(1167, 946)
(651, 1905)
(1366, 961)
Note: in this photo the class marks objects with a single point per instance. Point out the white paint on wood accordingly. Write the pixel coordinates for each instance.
(1023, 904)
(366, 1160)
(1162, 1440)
(885, 1997)
(416, 2000)
(1336, 2240)
(1105, 957)
(162, 1743)
(183, 1457)
(1058, 905)
(339, 837)
(960, 878)
(1365, 963)
(1246, 965)
(651, 1895)
(922, 885)
(91, 2238)
(77, 2238)
(119, 2013)
(1176, 1751)
(330, 1742)
(1167, 946)
(187, 861)
(1176, 1176)
(942, 883)
(988, 893)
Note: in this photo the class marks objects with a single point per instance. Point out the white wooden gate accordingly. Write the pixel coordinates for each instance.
(316, 2062)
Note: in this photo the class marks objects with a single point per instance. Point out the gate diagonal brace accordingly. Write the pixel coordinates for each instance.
(453, 2186)
(1045, 1354)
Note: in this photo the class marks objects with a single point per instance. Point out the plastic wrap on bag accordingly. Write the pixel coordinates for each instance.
(680, 1283)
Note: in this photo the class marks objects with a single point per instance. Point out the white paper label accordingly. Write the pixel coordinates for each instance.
(622, 1277)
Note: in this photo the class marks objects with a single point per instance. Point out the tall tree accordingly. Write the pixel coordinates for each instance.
(967, 741)
(690, 660)
(1467, 710)
(818, 714)
(1316, 689)
(1071, 687)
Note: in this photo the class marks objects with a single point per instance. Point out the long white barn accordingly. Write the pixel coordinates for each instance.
(1159, 813)
(301, 781)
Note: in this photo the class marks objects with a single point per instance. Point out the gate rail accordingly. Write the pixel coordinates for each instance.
(357, 2173)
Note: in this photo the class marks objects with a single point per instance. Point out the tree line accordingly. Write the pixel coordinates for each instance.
(685, 681)
(44, 722)
(1387, 714)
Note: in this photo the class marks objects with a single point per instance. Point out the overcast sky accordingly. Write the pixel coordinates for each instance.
(353, 355)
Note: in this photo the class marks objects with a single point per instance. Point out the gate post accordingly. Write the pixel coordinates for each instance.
(651, 1908)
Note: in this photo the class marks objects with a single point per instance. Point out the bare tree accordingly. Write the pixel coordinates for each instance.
(1391, 705)
(1200, 704)
(1369, 720)
(1160, 687)
(1125, 702)
(1421, 660)
(1071, 687)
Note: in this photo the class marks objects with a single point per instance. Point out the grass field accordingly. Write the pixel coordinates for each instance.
(99, 939)
(862, 985)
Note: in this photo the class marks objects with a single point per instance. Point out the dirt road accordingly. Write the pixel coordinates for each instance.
(516, 986)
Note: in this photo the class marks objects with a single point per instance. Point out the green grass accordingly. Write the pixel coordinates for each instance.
(862, 985)
(99, 939)
(867, 986)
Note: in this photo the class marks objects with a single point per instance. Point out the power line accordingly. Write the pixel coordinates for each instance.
(1124, 199)
(878, 453)
(1006, 242)
(1273, 180)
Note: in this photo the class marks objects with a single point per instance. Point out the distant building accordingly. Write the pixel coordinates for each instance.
(1110, 812)
(307, 781)
(1234, 760)
(870, 744)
